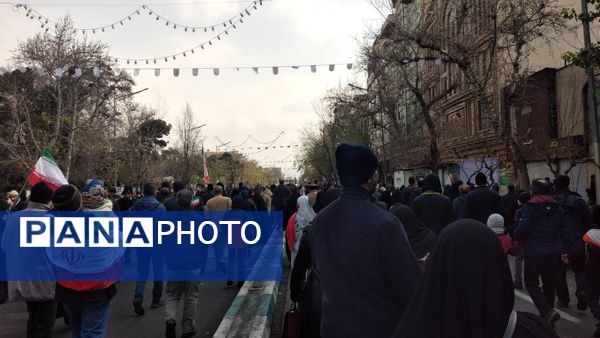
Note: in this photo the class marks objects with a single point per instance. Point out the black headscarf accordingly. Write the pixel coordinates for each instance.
(432, 183)
(422, 239)
(467, 289)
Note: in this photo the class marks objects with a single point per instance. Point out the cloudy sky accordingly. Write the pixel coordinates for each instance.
(234, 104)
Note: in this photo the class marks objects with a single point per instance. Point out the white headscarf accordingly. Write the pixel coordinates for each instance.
(305, 212)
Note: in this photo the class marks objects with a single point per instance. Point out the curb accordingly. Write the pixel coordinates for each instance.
(251, 312)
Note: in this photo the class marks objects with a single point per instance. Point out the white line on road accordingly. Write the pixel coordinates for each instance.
(563, 314)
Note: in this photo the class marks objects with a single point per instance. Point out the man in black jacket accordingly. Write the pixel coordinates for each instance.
(579, 219)
(542, 229)
(171, 203)
(432, 208)
(360, 255)
(482, 201)
(280, 196)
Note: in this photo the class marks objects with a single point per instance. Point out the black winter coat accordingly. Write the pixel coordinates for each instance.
(434, 211)
(365, 265)
(481, 203)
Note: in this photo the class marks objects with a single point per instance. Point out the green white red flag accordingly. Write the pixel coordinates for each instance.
(46, 170)
(206, 176)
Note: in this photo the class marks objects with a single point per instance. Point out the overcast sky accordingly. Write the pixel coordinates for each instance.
(233, 105)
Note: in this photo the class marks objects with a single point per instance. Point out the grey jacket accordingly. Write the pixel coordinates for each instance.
(31, 291)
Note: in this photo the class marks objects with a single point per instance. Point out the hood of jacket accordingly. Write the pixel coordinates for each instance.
(104, 205)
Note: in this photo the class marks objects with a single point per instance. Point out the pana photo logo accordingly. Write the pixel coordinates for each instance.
(134, 232)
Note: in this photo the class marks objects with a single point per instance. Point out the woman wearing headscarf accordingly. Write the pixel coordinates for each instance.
(305, 215)
(422, 240)
(468, 253)
(304, 286)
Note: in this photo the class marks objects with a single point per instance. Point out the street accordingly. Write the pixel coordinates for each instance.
(214, 300)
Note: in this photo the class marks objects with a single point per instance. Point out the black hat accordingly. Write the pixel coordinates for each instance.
(67, 198)
(355, 164)
(41, 193)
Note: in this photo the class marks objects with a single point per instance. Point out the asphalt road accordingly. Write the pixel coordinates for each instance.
(214, 300)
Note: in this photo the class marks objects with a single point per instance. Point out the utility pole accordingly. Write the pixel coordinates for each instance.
(591, 95)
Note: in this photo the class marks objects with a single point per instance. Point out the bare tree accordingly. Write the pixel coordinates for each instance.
(189, 142)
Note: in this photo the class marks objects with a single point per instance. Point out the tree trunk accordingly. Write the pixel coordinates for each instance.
(71, 143)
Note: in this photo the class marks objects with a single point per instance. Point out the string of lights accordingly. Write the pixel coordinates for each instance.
(46, 22)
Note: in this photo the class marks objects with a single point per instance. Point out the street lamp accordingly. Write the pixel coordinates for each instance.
(115, 127)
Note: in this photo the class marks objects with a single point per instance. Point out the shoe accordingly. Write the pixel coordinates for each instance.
(240, 284)
(229, 283)
(188, 334)
(563, 303)
(552, 318)
(137, 306)
(518, 285)
(170, 330)
(156, 303)
(581, 304)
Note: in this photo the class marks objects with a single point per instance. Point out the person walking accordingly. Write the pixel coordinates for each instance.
(541, 227)
(86, 303)
(407, 193)
(304, 287)
(578, 218)
(432, 208)
(421, 239)
(459, 203)
(181, 262)
(473, 301)
(280, 196)
(219, 203)
(360, 255)
(147, 256)
(524, 197)
(39, 295)
(482, 202)
(171, 203)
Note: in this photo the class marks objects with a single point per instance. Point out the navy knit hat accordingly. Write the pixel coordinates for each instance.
(355, 164)
(41, 193)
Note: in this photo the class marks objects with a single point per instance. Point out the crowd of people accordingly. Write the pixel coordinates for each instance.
(84, 305)
(422, 261)
(416, 261)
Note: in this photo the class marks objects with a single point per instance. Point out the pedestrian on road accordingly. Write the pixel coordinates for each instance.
(360, 255)
(147, 256)
(422, 239)
(524, 197)
(432, 208)
(459, 202)
(126, 201)
(181, 262)
(542, 229)
(171, 202)
(482, 202)
(579, 219)
(280, 196)
(304, 288)
(509, 202)
(165, 192)
(86, 303)
(304, 217)
(467, 291)
(496, 224)
(407, 193)
(219, 203)
(39, 295)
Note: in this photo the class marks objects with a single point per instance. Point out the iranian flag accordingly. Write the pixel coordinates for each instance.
(46, 170)
(206, 176)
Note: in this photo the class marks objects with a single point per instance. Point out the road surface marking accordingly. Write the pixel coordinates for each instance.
(563, 314)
